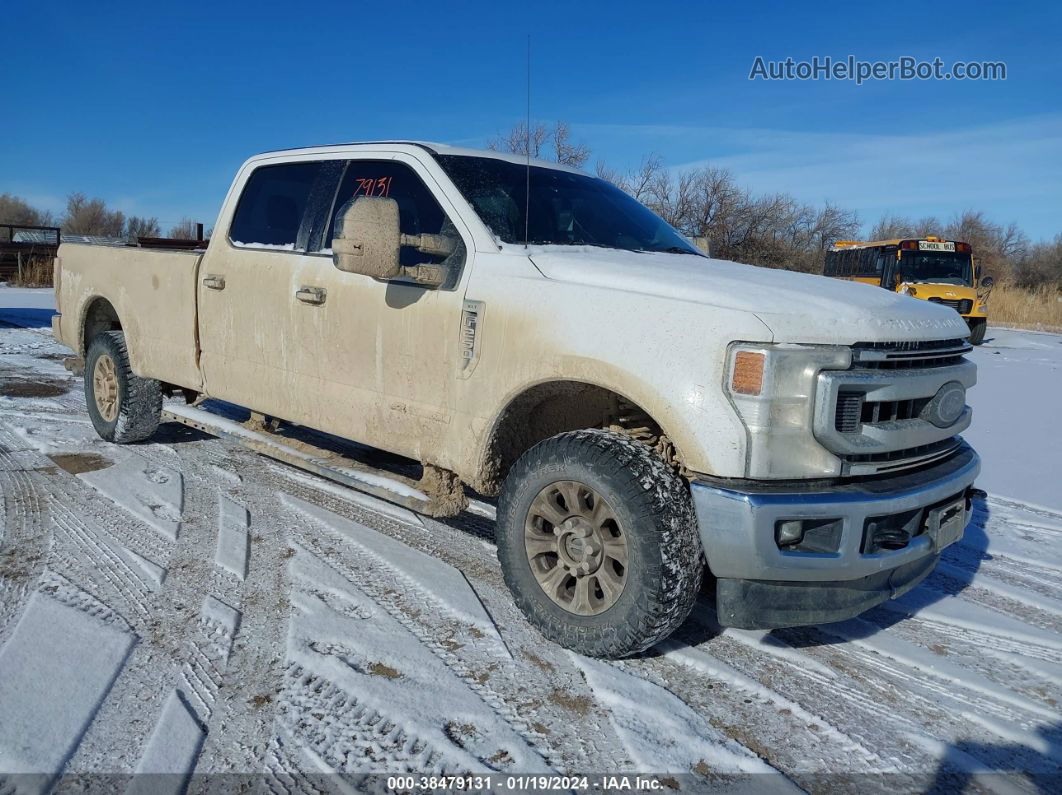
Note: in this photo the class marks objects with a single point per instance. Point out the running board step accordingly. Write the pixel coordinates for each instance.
(327, 464)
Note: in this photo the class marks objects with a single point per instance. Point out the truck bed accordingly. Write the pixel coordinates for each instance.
(153, 291)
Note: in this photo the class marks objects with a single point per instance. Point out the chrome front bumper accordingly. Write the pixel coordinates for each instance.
(763, 586)
(737, 524)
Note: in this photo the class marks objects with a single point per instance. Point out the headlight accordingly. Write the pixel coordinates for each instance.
(772, 387)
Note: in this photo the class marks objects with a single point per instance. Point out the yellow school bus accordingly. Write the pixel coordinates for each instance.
(929, 268)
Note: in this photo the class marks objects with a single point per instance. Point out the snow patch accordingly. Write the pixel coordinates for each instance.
(172, 749)
(152, 494)
(220, 613)
(233, 540)
(153, 571)
(662, 734)
(384, 673)
(439, 579)
(55, 670)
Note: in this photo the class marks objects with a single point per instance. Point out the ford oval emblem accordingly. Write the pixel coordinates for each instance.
(947, 405)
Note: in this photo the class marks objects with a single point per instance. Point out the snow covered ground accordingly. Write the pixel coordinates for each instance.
(188, 606)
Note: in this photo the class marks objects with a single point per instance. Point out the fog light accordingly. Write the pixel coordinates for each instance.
(789, 532)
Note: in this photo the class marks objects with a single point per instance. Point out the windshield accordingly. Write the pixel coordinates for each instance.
(939, 267)
(566, 209)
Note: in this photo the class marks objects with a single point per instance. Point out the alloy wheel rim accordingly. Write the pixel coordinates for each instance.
(105, 387)
(576, 548)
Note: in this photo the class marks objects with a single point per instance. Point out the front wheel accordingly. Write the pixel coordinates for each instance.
(978, 326)
(598, 543)
(123, 407)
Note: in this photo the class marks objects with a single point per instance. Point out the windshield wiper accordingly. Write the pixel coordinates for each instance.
(667, 250)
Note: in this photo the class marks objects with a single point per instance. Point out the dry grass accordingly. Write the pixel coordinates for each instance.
(35, 273)
(1039, 309)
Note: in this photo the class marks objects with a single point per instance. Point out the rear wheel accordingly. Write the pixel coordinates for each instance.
(978, 326)
(598, 543)
(123, 407)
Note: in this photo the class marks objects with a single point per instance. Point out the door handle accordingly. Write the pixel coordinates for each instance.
(214, 282)
(311, 295)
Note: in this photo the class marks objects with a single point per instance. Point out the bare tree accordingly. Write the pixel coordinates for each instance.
(541, 141)
(85, 216)
(15, 210)
(521, 141)
(895, 227)
(187, 229)
(1040, 264)
(136, 226)
(565, 150)
(832, 224)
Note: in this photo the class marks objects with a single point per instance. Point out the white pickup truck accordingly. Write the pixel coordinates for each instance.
(528, 331)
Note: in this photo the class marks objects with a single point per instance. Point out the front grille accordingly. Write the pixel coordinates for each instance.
(892, 410)
(853, 410)
(909, 355)
(963, 306)
(849, 409)
(909, 456)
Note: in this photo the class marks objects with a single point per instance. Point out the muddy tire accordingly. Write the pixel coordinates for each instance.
(598, 543)
(123, 407)
(977, 331)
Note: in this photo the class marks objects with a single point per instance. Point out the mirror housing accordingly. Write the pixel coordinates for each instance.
(368, 240)
(987, 282)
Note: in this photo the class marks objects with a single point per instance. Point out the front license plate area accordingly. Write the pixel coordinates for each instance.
(945, 523)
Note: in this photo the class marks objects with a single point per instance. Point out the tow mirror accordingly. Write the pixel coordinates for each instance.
(987, 282)
(368, 240)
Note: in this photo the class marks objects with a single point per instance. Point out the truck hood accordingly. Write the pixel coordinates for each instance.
(797, 307)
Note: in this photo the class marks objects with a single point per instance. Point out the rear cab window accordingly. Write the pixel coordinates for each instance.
(270, 211)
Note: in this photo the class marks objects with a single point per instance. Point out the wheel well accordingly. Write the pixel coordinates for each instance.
(99, 317)
(556, 407)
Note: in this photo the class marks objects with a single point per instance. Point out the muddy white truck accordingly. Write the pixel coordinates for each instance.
(525, 331)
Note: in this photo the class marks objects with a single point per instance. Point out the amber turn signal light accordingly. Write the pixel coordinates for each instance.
(748, 373)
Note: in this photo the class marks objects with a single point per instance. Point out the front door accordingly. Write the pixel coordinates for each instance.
(386, 354)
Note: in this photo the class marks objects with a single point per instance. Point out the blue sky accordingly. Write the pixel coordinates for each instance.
(153, 105)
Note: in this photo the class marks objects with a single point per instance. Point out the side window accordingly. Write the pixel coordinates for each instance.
(866, 262)
(418, 211)
(272, 204)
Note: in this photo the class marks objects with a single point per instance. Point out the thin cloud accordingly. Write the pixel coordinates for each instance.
(1010, 169)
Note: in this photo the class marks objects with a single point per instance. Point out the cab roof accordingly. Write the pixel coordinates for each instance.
(429, 146)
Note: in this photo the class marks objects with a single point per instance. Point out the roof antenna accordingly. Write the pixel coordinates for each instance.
(527, 147)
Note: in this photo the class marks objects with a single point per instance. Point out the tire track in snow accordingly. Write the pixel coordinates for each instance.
(107, 561)
(315, 713)
(966, 692)
(663, 734)
(428, 620)
(26, 533)
(374, 663)
(245, 670)
(781, 709)
(171, 629)
(542, 690)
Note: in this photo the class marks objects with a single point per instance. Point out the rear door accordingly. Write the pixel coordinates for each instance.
(251, 351)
